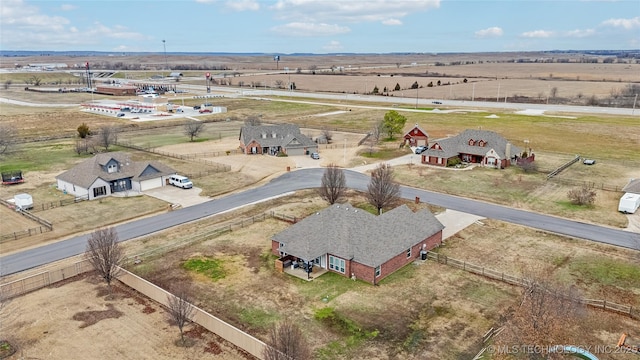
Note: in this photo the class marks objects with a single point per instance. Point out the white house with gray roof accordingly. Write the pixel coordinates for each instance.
(272, 139)
(483, 147)
(354, 242)
(109, 173)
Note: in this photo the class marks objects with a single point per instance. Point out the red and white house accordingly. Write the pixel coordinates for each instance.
(486, 148)
(416, 137)
(356, 243)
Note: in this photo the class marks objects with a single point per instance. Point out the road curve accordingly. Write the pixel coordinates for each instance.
(310, 178)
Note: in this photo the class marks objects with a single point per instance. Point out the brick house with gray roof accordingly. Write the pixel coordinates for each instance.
(109, 173)
(272, 139)
(483, 147)
(354, 242)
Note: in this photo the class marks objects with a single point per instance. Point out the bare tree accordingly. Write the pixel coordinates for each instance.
(382, 191)
(7, 137)
(279, 84)
(193, 128)
(584, 195)
(547, 315)
(328, 134)
(7, 84)
(105, 254)
(374, 136)
(252, 120)
(180, 308)
(334, 184)
(107, 136)
(286, 341)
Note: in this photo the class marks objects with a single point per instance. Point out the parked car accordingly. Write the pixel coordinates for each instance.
(202, 111)
(315, 156)
(197, 107)
(120, 114)
(420, 149)
(437, 102)
(589, 162)
(207, 104)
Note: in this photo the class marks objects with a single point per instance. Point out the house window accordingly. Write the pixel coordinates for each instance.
(112, 168)
(378, 271)
(481, 143)
(336, 264)
(471, 142)
(99, 191)
(408, 253)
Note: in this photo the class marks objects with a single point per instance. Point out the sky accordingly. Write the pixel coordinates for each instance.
(319, 26)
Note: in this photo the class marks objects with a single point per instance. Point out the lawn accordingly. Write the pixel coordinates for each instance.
(424, 310)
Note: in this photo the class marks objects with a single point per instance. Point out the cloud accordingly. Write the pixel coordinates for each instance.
(333, 46)
(243, 5)
(392, 22)
(26, 26)
(303, 29)
(626, 24)
(489, 32)
(541, 34)
(353, 11)
(68, 7)
(579, 33)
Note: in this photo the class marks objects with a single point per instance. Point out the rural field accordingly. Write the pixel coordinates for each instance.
(425, 310)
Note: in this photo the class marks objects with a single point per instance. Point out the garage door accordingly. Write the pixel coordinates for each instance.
(293, 152)
(150, 184)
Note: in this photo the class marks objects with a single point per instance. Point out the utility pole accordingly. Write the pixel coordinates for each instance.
(634, 104)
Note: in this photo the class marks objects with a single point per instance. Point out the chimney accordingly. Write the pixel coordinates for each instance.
(507, 151)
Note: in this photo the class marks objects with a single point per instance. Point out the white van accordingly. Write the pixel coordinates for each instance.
(180, 181)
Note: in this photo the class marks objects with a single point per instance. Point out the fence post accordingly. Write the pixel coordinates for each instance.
(464, 266)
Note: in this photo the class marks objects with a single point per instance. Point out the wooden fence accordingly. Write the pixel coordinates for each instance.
(633, 312)
(216, 167)
(28, 232)
(59, 203)
(589, 184)
(562, 167)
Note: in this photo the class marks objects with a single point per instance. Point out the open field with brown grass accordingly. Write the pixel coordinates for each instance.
(425, 310)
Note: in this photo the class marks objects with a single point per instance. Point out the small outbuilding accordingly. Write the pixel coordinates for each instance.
(23, 201)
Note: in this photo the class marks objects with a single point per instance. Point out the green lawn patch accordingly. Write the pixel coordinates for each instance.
(328, 286)
(257, 318)
(607, 271)
(211, 268)
(354, 334)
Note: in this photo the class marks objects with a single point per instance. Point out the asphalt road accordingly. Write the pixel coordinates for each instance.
(310, 178)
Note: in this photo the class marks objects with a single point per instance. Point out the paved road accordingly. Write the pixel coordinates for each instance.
(310, 178)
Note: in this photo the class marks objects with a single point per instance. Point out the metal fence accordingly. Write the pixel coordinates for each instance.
(633, 312)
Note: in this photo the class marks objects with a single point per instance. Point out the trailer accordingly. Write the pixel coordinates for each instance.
(629, 203)
(12, 177)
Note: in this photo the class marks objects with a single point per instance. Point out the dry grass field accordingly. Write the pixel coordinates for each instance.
(425, 310)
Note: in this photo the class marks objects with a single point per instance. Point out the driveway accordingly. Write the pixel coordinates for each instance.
(175, 195)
